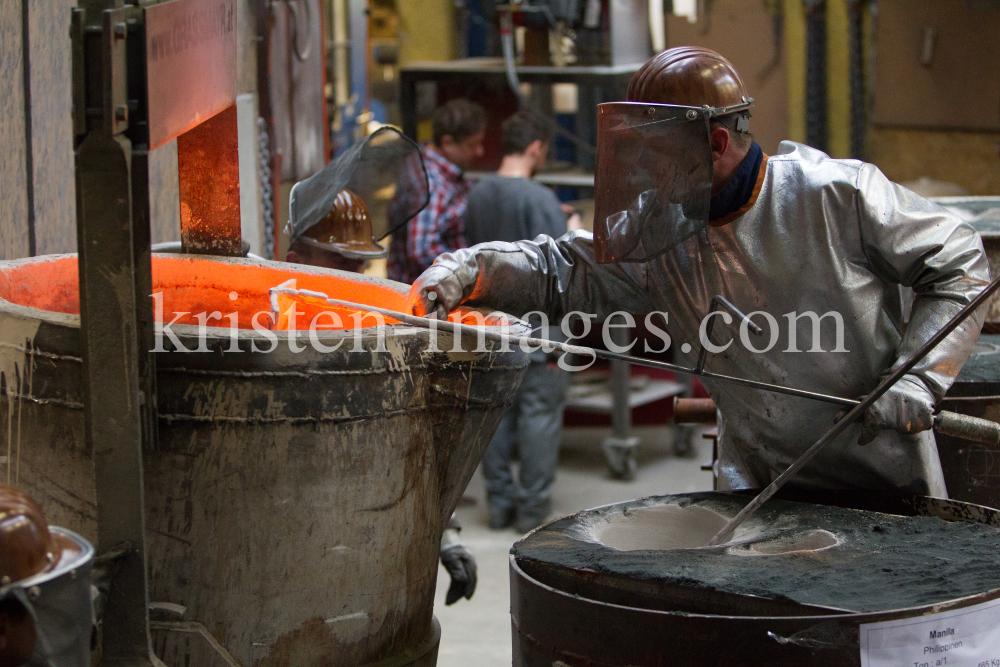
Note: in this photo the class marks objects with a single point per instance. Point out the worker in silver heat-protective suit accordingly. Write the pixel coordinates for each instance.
(687, 208)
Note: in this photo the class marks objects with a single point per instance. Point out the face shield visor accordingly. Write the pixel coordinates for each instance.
(58, 601)
(653, 180)
(384, 171)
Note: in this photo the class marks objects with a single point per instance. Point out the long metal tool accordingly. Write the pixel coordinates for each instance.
(852, 416)
(950, 423)
(458, 327)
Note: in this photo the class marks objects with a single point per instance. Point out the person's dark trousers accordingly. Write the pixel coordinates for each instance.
(531, 427)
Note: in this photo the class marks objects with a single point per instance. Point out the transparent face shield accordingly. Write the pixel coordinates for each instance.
(385, 170)
(653, 181)
(59, 603)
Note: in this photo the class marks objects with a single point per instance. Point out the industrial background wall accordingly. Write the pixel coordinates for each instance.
(970, 159)
(750, 34)
(938, 65)
(38, 206)
(427, 31)
(937, 93)
(297, 97)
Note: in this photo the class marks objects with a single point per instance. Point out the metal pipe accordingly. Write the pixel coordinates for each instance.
(621, 411)
(694, 411)
(341, 45)
(727, 531)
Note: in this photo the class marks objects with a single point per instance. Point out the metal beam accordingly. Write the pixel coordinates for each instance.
(115, 314)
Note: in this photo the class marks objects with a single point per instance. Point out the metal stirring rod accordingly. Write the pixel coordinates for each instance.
(950, 423)
(458, 327)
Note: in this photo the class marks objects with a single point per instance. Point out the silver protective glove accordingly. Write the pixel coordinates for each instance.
(554, 276)
(442, 287)
(908, 408)
(461, 568)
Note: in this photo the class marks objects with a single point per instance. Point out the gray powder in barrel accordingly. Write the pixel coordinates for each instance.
(810, 554)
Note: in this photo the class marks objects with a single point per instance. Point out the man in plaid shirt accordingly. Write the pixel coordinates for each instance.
(459, 130)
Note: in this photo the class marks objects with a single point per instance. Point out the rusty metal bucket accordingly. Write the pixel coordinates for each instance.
(296, 501)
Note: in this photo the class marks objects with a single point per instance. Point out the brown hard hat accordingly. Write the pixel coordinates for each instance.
(688, 76)
(26, 546)
(346, 229)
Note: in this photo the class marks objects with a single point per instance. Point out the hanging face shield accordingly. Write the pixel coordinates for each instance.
(653, 181)
(374, 188)
(44, 586)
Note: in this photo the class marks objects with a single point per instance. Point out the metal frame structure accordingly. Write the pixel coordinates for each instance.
(113, 130)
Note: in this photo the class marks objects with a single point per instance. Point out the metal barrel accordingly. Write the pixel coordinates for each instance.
(296, 500)
(972, 469)
(580, 617)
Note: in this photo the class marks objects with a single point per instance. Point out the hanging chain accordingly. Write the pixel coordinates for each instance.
(266, 187)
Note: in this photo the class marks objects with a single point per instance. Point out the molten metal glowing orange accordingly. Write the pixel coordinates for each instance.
(193, 285)
(208, 168)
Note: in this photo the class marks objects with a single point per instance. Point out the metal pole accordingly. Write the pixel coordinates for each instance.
(620, 448)
(114, 314)
(964, 426)
(621, 415)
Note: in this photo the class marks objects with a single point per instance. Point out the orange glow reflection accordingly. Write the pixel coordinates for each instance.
(195, 285)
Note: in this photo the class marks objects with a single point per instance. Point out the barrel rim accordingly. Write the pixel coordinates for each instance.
(921, 503)
(860, 617)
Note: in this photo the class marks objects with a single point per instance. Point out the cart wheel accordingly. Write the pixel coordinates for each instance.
(684, 442)
(620, 454)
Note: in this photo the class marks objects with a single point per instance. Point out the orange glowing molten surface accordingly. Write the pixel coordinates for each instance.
(195, 285)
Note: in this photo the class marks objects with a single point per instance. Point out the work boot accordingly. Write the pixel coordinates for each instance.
(532, 513)
(528, 522)
(501, 517)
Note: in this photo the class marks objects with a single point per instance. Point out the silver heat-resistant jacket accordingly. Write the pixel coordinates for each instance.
(823, 235)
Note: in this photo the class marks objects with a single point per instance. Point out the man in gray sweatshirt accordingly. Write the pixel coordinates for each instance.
(509, 206)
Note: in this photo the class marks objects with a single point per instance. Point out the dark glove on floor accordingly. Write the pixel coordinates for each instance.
(461, 567)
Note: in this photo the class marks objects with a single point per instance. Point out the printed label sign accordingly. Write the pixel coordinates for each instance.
(968, 637)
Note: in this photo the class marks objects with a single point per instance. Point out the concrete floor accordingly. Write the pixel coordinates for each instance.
(477, 631)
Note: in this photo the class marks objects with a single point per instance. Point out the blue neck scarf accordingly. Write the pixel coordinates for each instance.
(739, 188)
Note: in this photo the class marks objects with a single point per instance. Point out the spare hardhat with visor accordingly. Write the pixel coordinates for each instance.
(375, 187)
